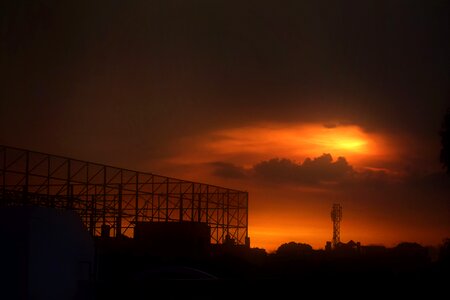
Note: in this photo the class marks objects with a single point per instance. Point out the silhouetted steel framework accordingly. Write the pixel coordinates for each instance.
(115, 197)
(336, 216)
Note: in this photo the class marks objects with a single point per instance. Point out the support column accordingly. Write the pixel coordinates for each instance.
(119, 214)
(193, 203)
(181, 207)
(199, 208)
(167, 200)
(68, 187)
(136, 212)
(207, 205)
(228, 212)
(92, 216)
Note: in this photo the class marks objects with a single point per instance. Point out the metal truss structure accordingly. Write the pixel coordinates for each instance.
(115, 198)
(336, 217)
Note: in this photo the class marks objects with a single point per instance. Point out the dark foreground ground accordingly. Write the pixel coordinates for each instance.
(286, 288)
(404, 272)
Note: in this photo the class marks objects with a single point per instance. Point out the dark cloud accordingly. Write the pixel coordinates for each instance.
(339, 173)
(311, 171)
(325, 172)
(319, 170)
(330, 125)
(368, 177)
(436, 181)
(228, 170)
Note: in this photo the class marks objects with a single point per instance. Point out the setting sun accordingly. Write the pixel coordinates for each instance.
(251, 144)
(340, 141)
(354, 145)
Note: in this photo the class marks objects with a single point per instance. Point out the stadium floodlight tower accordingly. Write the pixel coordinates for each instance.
(336, 217)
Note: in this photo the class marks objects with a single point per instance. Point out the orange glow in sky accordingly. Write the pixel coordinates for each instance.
(299, 140)
(251, 144)
(301, 213)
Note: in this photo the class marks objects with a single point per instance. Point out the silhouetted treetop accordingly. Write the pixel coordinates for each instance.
(410, 250)
(293, 249)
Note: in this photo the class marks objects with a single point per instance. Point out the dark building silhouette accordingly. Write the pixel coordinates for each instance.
(189, 239)
(46, 254)
(328, 246)
(350, 246)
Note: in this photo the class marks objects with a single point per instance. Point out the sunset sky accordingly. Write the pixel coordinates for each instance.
(301, 103)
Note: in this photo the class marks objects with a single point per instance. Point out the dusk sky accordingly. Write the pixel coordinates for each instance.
(301, 103)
